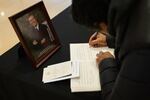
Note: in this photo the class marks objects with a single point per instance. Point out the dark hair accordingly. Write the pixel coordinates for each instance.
(90, 13)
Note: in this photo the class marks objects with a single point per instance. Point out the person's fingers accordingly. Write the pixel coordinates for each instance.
(97, 60)
(101, 44)
(34, 42)
(103, 55)
(94, 42)
(99, 54)
(98, 41)
(92, 37)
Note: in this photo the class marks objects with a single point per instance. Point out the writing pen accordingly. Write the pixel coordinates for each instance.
(95, 36)
(96, 33)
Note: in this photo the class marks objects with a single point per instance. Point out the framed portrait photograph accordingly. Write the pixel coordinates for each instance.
(36, 33)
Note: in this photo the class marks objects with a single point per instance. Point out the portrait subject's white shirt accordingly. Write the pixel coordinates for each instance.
(37, 27)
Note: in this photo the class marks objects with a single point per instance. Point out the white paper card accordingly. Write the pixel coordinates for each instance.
(60, 71)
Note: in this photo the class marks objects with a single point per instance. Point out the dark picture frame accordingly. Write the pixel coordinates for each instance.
(36, 33)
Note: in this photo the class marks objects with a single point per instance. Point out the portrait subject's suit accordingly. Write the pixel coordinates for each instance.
(37, 35)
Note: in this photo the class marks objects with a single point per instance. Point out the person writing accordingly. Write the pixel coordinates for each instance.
(127, 75)
(101, 38)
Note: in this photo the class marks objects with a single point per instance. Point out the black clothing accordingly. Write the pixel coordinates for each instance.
(110, 41)
(127, 77)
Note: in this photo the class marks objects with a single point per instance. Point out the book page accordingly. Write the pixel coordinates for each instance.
(89, 78)
(89, 72)
(82, 51)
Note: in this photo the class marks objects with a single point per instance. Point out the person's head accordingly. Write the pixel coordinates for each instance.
(90, 13)
(32, 20)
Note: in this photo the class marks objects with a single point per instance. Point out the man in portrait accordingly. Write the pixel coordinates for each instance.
(39, 37)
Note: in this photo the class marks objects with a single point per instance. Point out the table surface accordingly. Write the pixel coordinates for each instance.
(18, 73)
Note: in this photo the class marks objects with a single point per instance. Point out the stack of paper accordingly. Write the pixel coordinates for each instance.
(89, 72)
(61, 71)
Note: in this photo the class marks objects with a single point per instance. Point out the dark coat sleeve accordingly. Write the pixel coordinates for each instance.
(118, 12)
(131, 82)
(129, 23)
(110, 41)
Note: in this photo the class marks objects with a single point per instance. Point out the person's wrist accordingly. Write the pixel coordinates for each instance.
(104, 60)
(106, 63)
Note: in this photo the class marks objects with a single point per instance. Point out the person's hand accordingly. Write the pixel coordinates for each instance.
(43, 41)
(103, 55)
(98, 40)
(34, 42)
